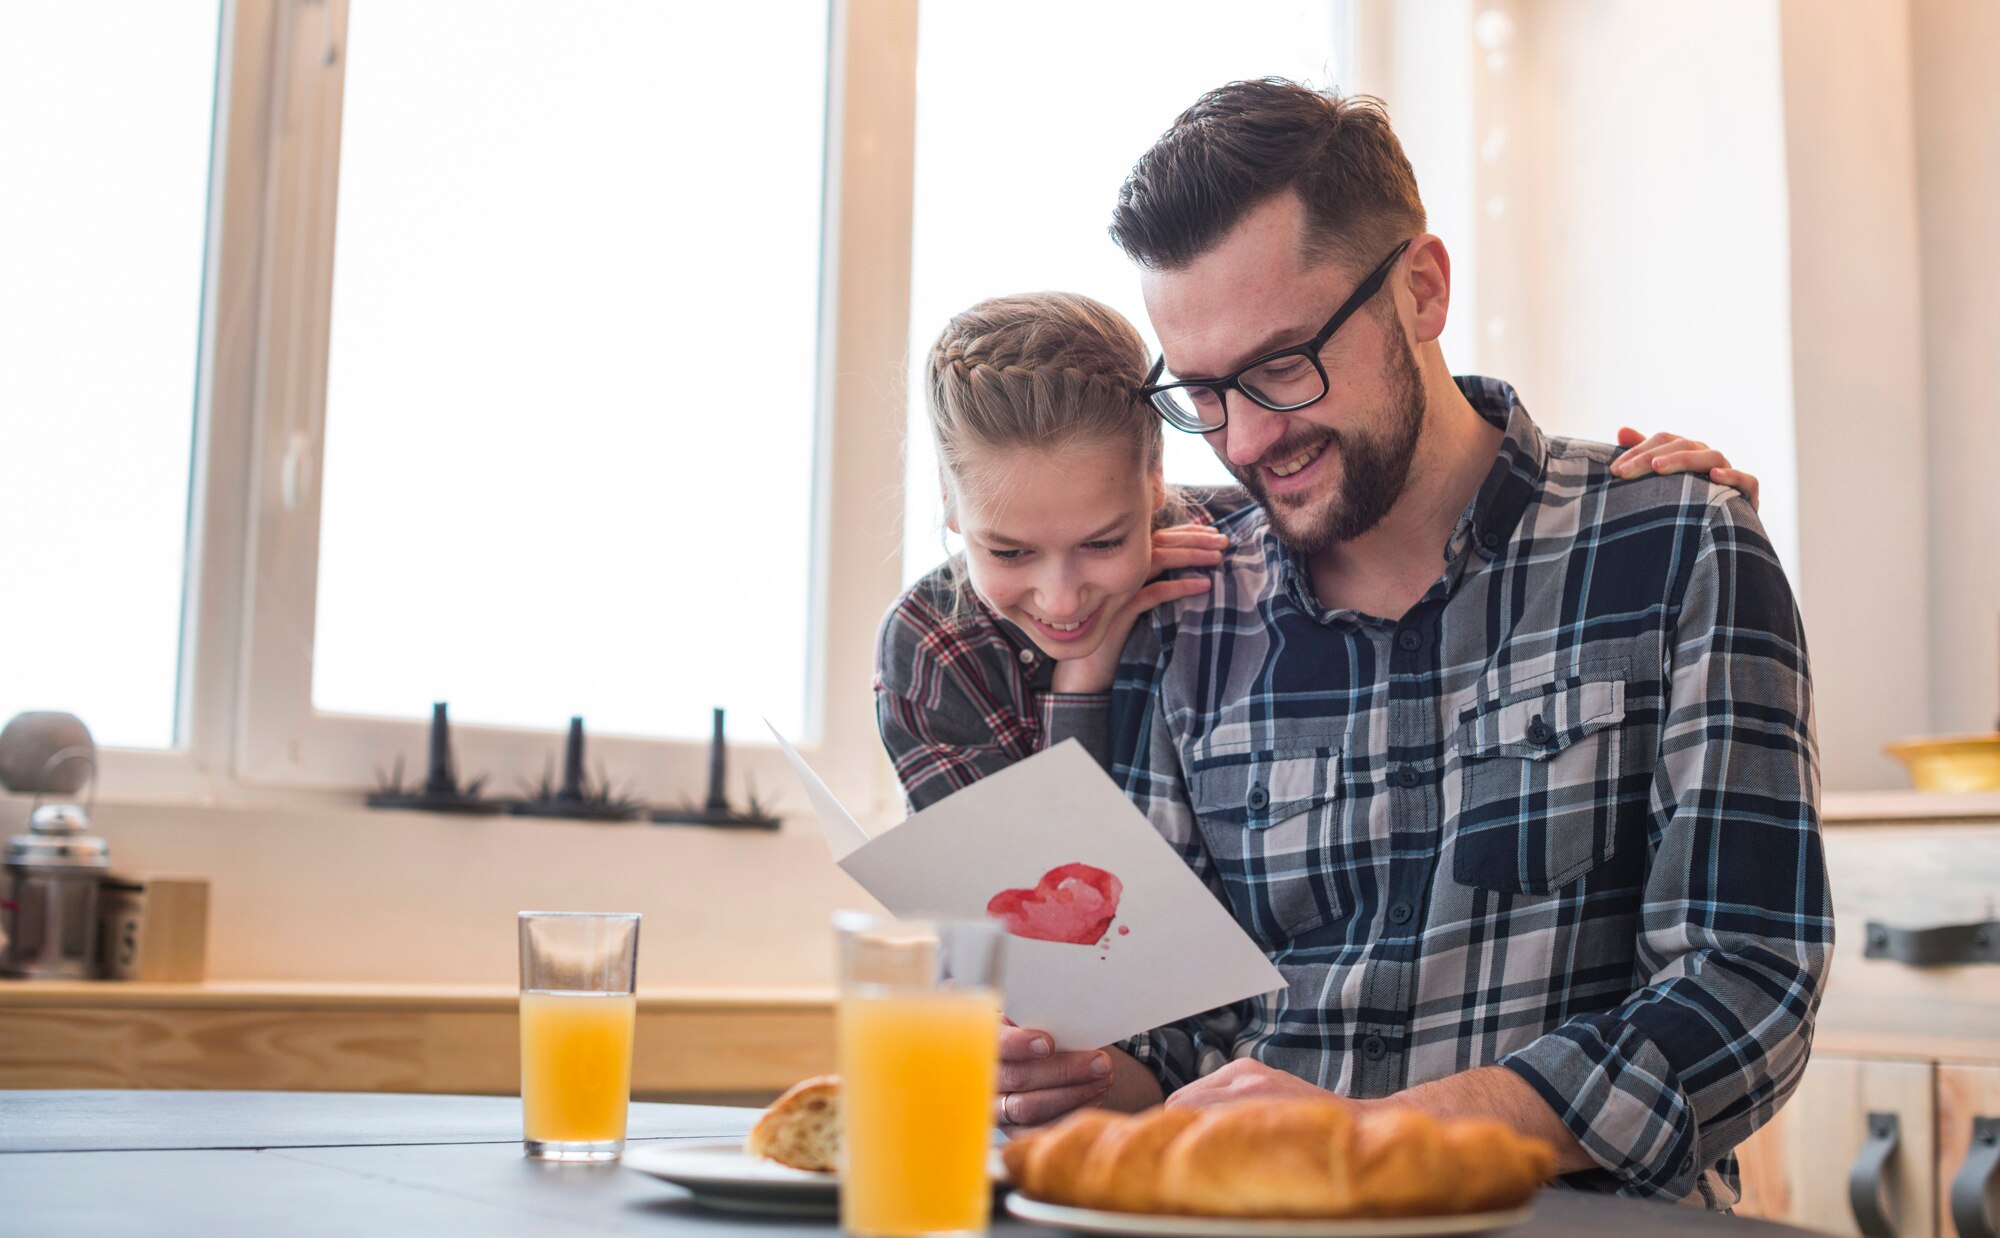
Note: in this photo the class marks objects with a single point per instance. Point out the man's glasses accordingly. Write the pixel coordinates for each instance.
(1283, 381)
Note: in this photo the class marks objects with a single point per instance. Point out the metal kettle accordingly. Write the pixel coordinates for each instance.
(49, 910)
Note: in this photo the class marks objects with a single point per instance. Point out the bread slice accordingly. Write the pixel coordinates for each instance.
(801, 1128)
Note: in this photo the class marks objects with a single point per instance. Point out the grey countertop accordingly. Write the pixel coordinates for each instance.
(215, 1163)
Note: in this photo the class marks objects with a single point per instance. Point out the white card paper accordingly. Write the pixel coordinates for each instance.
(1050, 830)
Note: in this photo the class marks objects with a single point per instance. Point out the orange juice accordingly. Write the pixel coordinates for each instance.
(917, 1070)
(576, 1065)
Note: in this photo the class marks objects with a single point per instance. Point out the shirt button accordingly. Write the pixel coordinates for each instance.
(1687, 1164)
(1401, 913)
(1260, 799)
(1028, 656)
(1406, 775)
(1539, 731)
(1489, 539)
(1409, 640)
(1374, 1048)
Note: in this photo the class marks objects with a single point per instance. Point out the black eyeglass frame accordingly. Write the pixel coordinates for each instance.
(1152, 388)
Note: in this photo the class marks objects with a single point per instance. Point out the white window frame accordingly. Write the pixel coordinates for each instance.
(246, 730)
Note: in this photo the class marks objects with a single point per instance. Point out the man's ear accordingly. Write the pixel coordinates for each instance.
(1429, 283)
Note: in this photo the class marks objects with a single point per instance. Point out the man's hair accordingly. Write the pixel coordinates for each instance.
(1243, 143)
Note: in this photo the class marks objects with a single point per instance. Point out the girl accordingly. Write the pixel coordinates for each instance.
(1051, 473)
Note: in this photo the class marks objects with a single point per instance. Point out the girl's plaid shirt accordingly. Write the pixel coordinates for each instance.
(961, 692)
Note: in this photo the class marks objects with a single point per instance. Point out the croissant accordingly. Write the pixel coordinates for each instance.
(1280, 1159)
(1121, 1169)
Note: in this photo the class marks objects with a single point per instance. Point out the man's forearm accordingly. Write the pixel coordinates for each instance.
(1496, 1092)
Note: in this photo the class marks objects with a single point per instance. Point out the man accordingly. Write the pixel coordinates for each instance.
(1506, 761)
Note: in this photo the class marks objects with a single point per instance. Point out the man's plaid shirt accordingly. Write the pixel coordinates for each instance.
(1562, 816)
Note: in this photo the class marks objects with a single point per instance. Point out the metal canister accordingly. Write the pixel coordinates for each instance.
(50, 908)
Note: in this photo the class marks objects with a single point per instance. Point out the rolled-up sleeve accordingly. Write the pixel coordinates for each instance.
(1736, 926)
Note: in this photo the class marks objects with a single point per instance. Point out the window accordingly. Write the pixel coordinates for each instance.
(547, 424)
(571, 393)
(102, 229)
(1023, 205)
(523, 383)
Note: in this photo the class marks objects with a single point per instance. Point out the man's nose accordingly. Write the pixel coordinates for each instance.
(1251, 430)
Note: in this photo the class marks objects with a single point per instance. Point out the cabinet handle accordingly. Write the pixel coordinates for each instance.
(1942, 946)
(1970, 1183)
(1865, 1181)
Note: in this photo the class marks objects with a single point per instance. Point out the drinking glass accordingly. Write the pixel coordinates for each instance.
(919, 1031)
(577, 1009)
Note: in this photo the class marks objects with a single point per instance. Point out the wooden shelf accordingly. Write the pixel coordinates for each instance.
(739, 1044)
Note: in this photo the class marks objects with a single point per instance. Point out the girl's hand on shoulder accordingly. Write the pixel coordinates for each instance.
(1670, 453)
(1181, 546)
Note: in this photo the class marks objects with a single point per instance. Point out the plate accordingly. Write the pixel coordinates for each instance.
(1096, 1221)
(720, 1174)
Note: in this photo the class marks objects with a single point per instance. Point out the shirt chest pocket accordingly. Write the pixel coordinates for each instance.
(1271, 821)
(1539, 786)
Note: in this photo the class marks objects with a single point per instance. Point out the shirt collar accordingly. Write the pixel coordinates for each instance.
(1489, 520)
(1036, 668)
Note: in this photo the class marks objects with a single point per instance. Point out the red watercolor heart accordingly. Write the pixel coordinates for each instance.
(1073, 904)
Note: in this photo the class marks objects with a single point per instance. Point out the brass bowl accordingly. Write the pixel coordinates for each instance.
(1951, 762)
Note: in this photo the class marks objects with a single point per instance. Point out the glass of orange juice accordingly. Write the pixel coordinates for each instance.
(577, 1010)
(919, 1031)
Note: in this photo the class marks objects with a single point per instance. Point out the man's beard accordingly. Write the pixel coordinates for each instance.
(1374, 467)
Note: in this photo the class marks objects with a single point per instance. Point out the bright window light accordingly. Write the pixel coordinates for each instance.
(106, 114)
(571, 395)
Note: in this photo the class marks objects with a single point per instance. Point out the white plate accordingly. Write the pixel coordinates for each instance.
(720, 1174)
(1095, 1221)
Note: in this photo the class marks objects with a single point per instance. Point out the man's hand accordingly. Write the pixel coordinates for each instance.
(1039, 1085)
(1487, 1092)
(1248, 1079)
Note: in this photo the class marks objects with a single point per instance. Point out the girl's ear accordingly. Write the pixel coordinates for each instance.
(950, 510)
(1159, 485)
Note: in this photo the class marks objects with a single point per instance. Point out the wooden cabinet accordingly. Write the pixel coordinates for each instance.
(1965, 1094)
(1796, 1168)
(1916, 1045)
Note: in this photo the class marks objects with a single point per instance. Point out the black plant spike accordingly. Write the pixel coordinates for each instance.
(578, 797)
(716, 809)
(439, 792)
